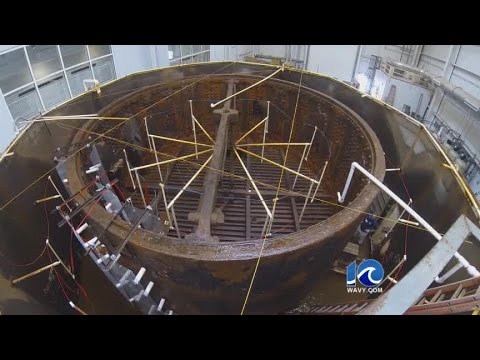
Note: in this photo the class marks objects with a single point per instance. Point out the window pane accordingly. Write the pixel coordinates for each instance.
(206, 56)
(24, 104)
(73, 54)
(44, 60)
(186, 50)
(76, 76)
(14, 71)
(173, 51)
(196, 48)
(99, 50)
(53, 90)
(205, 47)
(104, 70)
(175, 62)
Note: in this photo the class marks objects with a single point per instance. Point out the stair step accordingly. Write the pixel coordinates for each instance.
(436, 296)
(457, 293)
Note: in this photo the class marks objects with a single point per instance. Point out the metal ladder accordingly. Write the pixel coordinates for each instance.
(461, 296)
(102, 253)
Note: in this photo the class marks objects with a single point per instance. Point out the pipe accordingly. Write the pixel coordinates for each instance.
(47, 199)
(307, 51)
(140, 187)
(447, 61)
(249, 131)
(139, 275)
(160, 305)
(156, 159)
(455, 92)
(470, 268)
(253, 184)
(193, 127)
(319, 181)
(129, 170)
(177, 228)
(148, 288)
(201, 128)
(299, 165)
(168, 161)
(357, 61)
(59, 259)
(182, 141)
(58, 192)
(279, 165)
(265, 128)
(274, 144)
(148, 134)
(81, 228)
(33, 273)
(189, 182)
(305, 203)
(311, 142)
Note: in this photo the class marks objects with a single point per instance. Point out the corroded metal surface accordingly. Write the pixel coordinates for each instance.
(211, 282)
(201, 277)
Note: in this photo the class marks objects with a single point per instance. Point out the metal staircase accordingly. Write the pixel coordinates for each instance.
(101, 252)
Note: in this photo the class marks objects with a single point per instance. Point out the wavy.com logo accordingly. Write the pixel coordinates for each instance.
(369, 273)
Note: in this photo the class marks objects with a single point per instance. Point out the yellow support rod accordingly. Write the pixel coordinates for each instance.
(59, 118)
(274, 144)
(204, 131)
(170, 160)
(33, 273)
(189, 182)
(269, 213)
(77, 308)
(47, 198)
(251, 130)
(180, 141)
(279, 165)
(59, 259)
(248, 88)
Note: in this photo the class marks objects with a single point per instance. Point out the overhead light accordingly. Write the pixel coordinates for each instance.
(470, 105)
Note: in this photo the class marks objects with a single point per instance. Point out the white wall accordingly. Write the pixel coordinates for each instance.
(334, 60)
(381, 86)
(458, 64)
(273, 50)
(7, 133)
(432, 58)
(217, 52)
(391, 52)
(159, 55)
(409, 94)
(131, 58)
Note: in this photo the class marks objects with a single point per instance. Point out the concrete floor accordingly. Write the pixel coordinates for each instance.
(15, 301)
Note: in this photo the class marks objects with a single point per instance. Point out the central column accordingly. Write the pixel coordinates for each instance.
(206, 213)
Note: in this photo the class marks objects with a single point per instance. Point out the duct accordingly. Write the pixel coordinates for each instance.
(451, 90)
